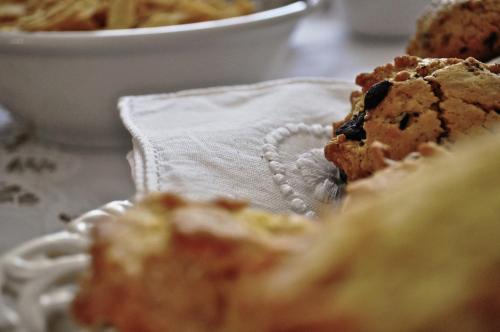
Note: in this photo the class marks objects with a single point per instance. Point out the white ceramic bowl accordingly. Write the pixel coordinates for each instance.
(67, 83)
(382, 18)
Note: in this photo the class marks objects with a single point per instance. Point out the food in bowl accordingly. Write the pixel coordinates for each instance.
(74, 15)
(458, 29)
(411, 102)
(67, 84)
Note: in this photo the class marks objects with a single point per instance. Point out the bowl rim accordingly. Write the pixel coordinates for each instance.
(294, 8)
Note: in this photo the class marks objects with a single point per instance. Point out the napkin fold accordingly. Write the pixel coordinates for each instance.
(262, 142)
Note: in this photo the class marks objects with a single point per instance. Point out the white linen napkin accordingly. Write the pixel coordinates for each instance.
(262, 143)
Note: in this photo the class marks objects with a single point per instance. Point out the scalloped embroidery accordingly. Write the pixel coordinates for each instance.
(320, 179)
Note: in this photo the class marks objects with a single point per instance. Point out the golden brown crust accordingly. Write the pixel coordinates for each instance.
(414, 101)
(458, 28)
(393, 172)
(186, 288)
(172, 265)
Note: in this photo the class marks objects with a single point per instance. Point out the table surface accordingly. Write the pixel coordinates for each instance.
(41, 186)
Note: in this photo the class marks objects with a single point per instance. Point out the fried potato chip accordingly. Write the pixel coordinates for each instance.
(65, 15)
(199, 10)
(70, 15)
(161, 19)
(11, 11)
(122, 14)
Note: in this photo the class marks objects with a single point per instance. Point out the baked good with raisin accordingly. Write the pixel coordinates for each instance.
(460, 29)
(172, 265)
(411, 102)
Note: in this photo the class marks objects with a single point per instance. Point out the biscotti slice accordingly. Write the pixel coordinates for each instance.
(411, 102)
(459, 29)
(172, 265)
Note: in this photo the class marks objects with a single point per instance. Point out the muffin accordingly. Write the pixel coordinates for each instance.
(411, 102)
(458, 28)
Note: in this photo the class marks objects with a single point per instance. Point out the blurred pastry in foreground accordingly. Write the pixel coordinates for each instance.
(411, 102)
(171, 265)
(424, 255)
(458, 29)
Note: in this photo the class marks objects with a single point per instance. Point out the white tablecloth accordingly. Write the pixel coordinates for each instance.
(38, 194)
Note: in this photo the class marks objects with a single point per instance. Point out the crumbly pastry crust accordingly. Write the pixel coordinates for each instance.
(172, 265)
(380, 181)
(395, 171)
(411, 102)
(458, 28)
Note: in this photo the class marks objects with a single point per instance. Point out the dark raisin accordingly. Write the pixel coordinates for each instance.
(491, 40)
(342, 176)
(404, 121)
(376, 94)
(353, 129)
(463, 50)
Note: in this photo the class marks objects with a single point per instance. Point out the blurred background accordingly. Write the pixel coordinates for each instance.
(340, 39)
(347, 37)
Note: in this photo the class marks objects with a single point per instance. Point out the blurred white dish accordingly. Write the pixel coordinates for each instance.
(383, 18)
(39, 278)
(67, 83)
